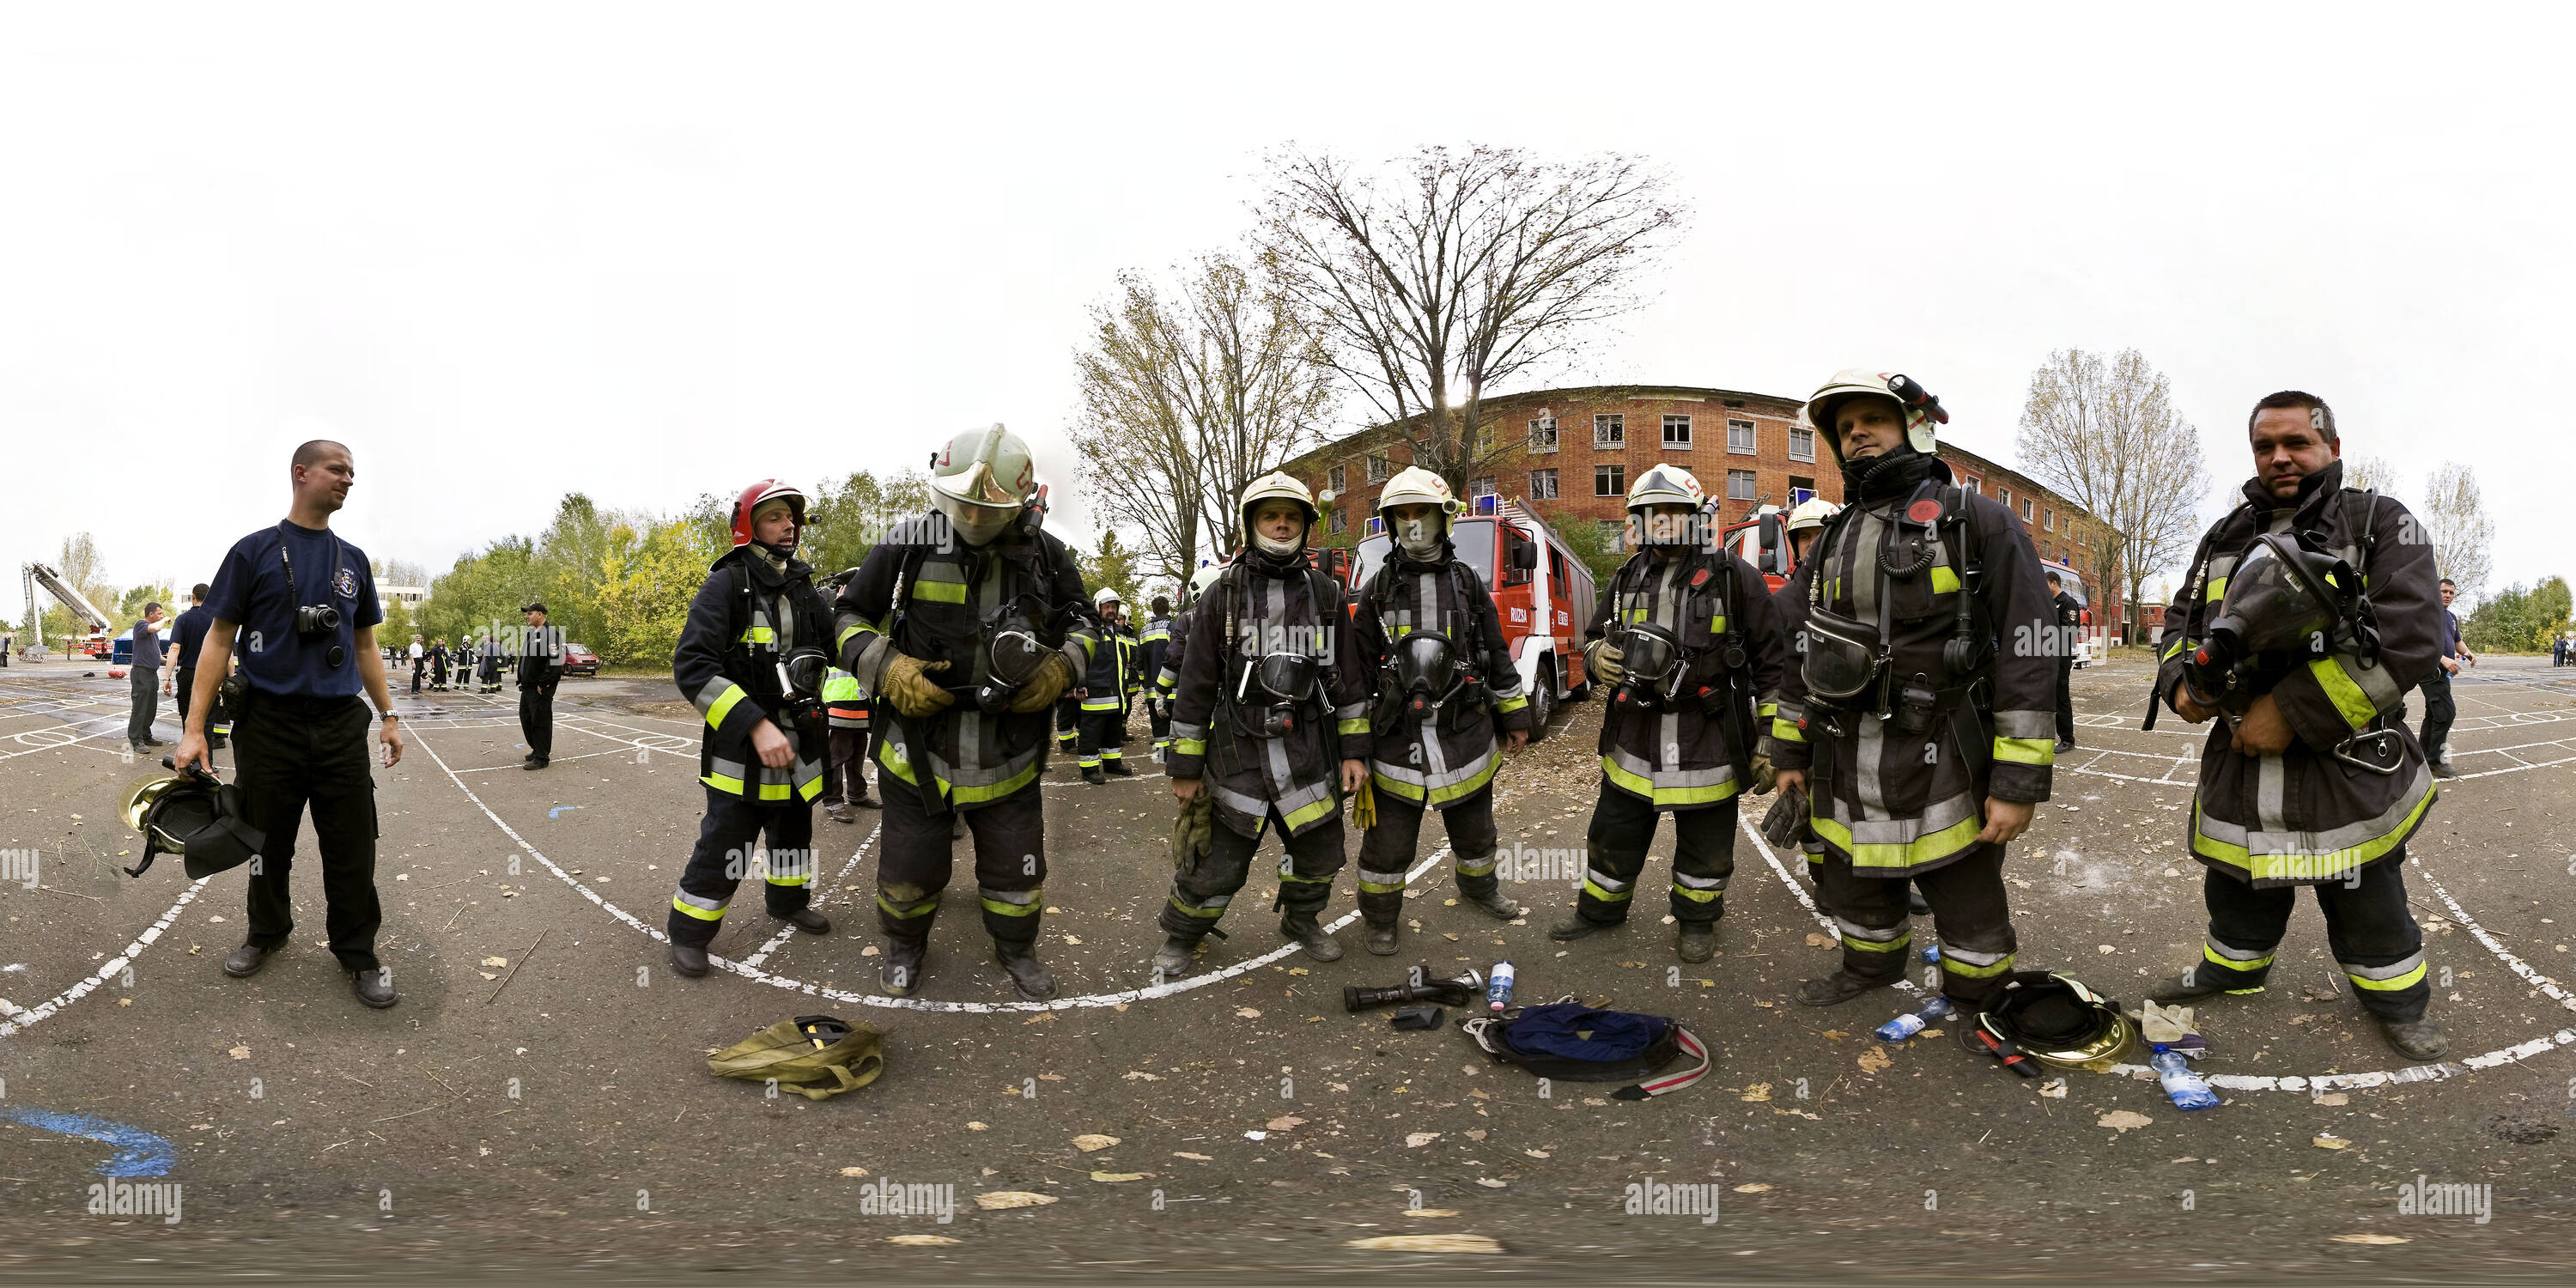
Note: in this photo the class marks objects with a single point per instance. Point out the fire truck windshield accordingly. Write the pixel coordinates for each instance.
(1474, 539)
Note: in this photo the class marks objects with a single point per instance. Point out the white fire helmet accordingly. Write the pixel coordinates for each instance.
(1920, 408)
(1277, 486)
(1666, 485)
(1418, 486)
(1811, 513)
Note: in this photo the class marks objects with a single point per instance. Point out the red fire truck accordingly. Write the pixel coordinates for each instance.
(1542, 592)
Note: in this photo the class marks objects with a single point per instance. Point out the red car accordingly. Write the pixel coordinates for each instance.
(579, 660)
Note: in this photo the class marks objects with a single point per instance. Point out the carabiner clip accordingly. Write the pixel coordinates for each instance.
(2343, 752)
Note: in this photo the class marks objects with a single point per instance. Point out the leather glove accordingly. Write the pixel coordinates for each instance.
(1603, 661)
(910, 688)
(1765, 777)
(1193, 831)
(1053, 677)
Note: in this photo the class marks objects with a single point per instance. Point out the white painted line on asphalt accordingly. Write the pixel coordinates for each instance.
(758, 975)
(1763, 845)
(23, 1020)
(839, 880)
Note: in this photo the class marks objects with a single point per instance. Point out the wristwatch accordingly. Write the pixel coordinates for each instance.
(383, 716)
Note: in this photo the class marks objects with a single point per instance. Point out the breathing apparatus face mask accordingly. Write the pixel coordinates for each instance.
(800, 679)
(1426, 669)
(1017, 654)
(1288, 680)
(2283, 598)
(1653, 658)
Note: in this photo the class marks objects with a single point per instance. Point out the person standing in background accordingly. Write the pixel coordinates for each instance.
(146, 673)
(189, 635)
(540, 666)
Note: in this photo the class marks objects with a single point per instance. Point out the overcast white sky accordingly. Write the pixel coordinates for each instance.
(645, 252)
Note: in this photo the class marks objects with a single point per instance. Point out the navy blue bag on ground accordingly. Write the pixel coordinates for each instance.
(1577, 1043)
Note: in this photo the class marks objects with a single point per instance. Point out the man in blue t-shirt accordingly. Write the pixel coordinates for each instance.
(187, 639)
(300, 603)
(146, 667)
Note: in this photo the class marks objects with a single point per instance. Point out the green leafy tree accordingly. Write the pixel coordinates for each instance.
(1112, 565)
(2503, 623)
(1589, 540)
(2545, 613)
(647, 581)
(129, 606)
(844, 521)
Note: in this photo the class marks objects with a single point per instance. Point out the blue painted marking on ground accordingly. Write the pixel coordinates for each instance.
(138, 1152)
(558, 811)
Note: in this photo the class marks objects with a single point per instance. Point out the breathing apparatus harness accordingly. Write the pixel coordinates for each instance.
(1658, 661)
(1288, 682)
(1011, 638)
(2288, 598)
(791, 658)
(1849, 665)
(1419, 659)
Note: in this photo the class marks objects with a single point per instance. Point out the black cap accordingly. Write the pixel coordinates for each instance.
(534, 606)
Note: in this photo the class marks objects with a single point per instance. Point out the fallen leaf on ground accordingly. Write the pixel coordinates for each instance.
(496, 961)
(1050, 1077)
(922, 1240)
(1536, 1153)
(1133, 1076)
(1492, 1184)
(2055, 1090)
(1247, 1013)
(979, 1126)
(1074, 940)
(2333, 1098)
(487, 974)
(1299, 970)
(2122, 1120)
(2331, 1142)
(1285, 1122)
(1115, 1177)
(2371, 1238)
(1874, 1059)
(996, 1200)
(1816, 939)
(239, 1053)
(1089, 1143)
(1431, 1212)
(2105, 949)
(1755, 1187)
(871, 951)
(1195, 1158)
(854, 1171)
(1758, 1091)
(1417, 1140)
(1429, 1243)
(1042, 1017)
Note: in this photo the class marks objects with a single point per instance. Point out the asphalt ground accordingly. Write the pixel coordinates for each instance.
(551, 1114)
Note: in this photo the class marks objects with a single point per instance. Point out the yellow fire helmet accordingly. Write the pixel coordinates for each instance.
(2057, 1021)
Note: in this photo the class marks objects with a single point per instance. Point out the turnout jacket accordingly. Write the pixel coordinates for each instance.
(2305, 816)
(1112, 673)
(926, 594)
(743, 621)
(1215, 737)
(1436, 758)
(1900, 803)
(1678, 757)
(1156, 643)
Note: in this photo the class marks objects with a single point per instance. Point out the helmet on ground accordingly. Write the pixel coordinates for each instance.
(1920, 409)
(1666, 485)
(1418, 486)
(2058, 1021)
(1276, 486)
(758, 497)
(1811, 513)
(982, 480)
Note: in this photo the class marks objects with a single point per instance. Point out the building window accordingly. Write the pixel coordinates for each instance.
(1341, 519)
(2082, 538)
(1802, 443)
(1974, 483)
(2025, 509)
(1376, 468)
(1739, 438)
(1609, 480)
(1340, 479)
(1542, 485)
(1543, 434)
(1480, 486)
(2048, 519)
(1609, 432)
(2003, 494)
(1677, 433)
(1739, 485)
(1614, 535)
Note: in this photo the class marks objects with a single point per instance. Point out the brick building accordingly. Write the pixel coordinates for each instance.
(1571, 453)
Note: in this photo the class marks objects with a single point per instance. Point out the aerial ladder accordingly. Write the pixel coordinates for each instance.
(36, 574)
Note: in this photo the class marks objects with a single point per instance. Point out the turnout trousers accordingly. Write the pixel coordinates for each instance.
(916, 854)
(1969, 912)
(1201, 891)
(727, 840)
(290, 753)
(1386, 851)
(1623, 826)
(2369, 929)
(1098, 738)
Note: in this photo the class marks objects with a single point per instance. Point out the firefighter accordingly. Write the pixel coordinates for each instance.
(1689, 644)
(2316, 782)
(752, 659)
(1930, 742)
(967, 624)
(1131, 661)
(845, 779)
(1445, 686)
(1806, 523)
(1104, 698)
(1270, 720)
(2068, 615)
(1156, 641)
(1167, 678)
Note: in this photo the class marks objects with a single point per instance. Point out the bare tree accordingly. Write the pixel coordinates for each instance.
(2107, 436)
(1457, 272)
(2371, 472)
(1187, 399)
(2454, 514)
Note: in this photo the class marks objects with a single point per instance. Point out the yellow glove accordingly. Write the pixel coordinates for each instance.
(1193, 832)
(1364, 806)
(1764, 776)
(1054, 676)
(913, 692)
(1603, 662)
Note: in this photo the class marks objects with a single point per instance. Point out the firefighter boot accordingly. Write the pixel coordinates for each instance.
(901, 972)
(1695, 941)
(1028, 975)
(1577, 926)
(1840, 987)
(1495, 903)
(1381, 938)
(689, 959)
(2415, 1039)
(1172, 960)
(1091, 774)
(1301, 927)
(2186, 987)
(1118, 767)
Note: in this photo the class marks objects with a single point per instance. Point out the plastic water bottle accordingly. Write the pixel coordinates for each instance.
(2185, 1088)
(1915, 1021)
(1931, 953)
(1498, 988)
